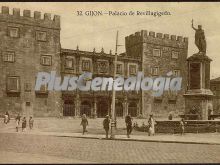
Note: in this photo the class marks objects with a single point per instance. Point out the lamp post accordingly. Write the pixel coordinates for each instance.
(113, 113)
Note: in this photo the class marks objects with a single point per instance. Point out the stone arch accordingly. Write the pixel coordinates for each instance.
(68, 108)
(132, 109)
(85, 108)
(119, 109)
(102, 108)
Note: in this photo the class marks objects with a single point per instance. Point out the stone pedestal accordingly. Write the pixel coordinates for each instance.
(198, 97)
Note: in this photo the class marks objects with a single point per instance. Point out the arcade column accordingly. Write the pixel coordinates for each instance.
(198, 97)
(95, 108)
(125, 106)
(77, 105)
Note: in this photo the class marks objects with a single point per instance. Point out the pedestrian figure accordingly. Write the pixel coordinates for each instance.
(31, 122)
(135, 125)
(18, 117)
(84, 123)
(151, 123)
(210, 113)
(24, 124)
(17, 121)
(170, 117)
(128, 121)
(182, 126)
(6, 118)
(17, 124)
(106, 122)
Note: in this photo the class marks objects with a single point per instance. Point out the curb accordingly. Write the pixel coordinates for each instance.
(121, 139)
(139, 140)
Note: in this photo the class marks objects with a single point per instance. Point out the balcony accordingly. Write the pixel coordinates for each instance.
(41, 93)
(13, 93)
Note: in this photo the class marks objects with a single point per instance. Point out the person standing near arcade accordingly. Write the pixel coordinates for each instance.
(106, 123)
(128, 121)
(84, 123)
(151, 123)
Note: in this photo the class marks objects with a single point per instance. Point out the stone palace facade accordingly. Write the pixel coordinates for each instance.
(29, 45)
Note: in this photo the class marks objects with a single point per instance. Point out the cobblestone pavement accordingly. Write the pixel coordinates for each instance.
(108, 151)
(12, 157)
(189, 138)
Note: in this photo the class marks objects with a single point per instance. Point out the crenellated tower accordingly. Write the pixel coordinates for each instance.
(46, 22)
(160, 54)
(28, 45)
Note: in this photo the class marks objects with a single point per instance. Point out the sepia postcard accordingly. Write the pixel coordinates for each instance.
(109, 82)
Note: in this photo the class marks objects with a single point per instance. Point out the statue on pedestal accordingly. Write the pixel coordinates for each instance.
(200, 39)
(198, 96)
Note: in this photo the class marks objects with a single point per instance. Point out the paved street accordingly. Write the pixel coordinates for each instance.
(22, 146)
(13, 157)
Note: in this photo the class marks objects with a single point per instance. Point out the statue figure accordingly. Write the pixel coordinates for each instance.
(200, 38)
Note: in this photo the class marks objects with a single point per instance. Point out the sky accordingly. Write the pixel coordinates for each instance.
(89, 32)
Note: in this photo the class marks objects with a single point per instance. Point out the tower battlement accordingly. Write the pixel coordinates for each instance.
(156, 38)
(36, 20)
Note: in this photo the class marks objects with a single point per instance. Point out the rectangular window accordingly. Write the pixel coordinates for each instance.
(28, 103)
(43, 88)
(69, 63)
(132, 69)
(41, 36)
(102, 66)
(43, 92)
(119, 69)
(176, 73)
(175, 55)
(85, 65)
(155, 71)
(158, 100)
(13, 32)
(8, 56)
(27, 87)
(156, 52)
(172, 101)
(13, 84)
(46, 60)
